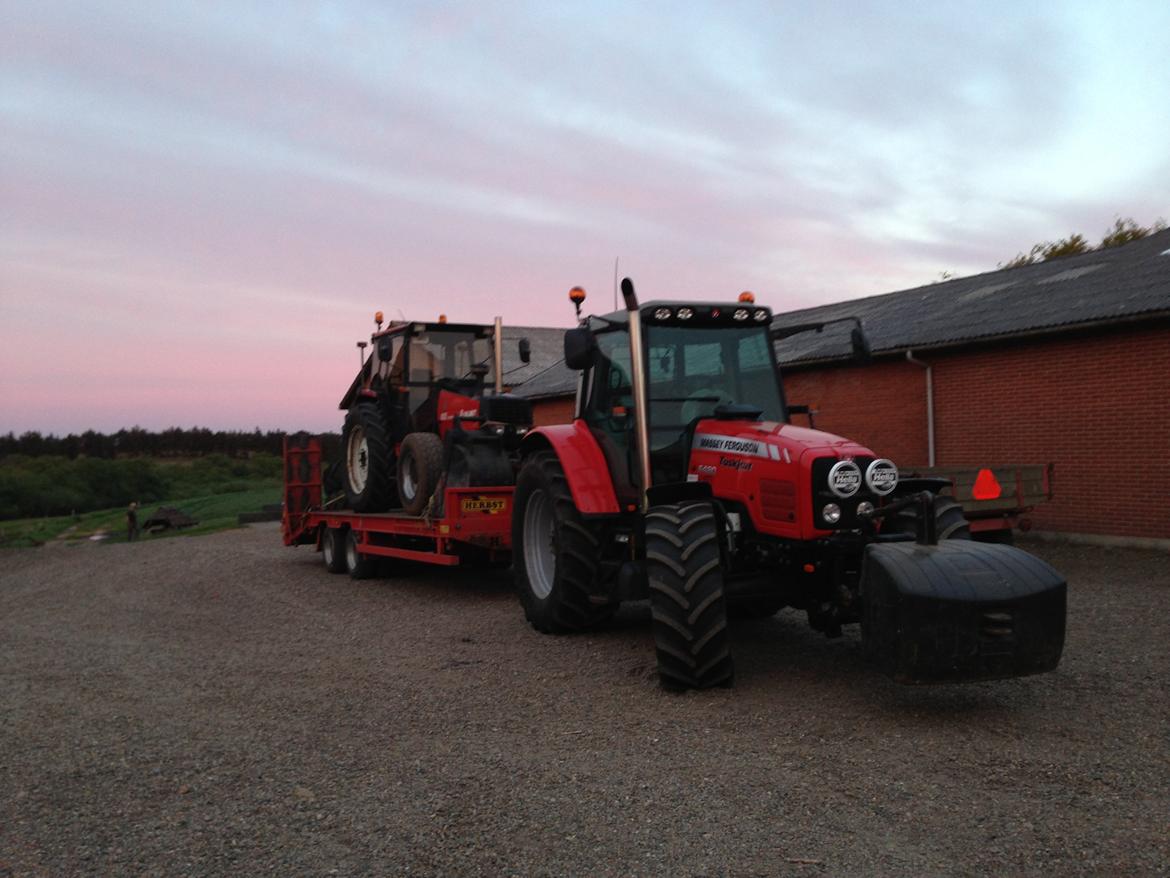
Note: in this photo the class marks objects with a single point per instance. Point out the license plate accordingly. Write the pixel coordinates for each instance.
(489, 505)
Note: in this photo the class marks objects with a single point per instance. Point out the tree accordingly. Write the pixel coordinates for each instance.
(1123, 231)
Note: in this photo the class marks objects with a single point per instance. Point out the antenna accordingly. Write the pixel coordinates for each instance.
(615, 281)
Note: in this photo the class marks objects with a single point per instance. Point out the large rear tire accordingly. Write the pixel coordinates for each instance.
(369, 460)
(554, 551)
(950, 521)
(420, 463)
(686, 596)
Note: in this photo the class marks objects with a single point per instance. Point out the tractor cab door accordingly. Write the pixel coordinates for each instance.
(608, 408)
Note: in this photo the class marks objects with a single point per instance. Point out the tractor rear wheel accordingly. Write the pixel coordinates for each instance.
(420, 463)
(554, 551)
(950, 521)
(333, 549)
(369, 460)
(687, 602)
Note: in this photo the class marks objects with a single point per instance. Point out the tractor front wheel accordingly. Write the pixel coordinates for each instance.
(687, 602)
(420, 463)
(555, 553)
(950, 522)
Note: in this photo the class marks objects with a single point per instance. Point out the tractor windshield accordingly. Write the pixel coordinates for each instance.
(691, 370)
(435, 355)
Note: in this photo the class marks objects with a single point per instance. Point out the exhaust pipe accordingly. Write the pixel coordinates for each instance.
(498, 354)
(637, 361)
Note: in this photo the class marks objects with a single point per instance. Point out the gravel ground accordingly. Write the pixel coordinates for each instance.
(222, 706)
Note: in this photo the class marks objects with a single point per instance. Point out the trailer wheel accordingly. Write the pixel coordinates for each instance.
(369, 460)
(686, 596)
(358, 565)
(949, 518)
(333, 549)
(420, 463)
(554, 552)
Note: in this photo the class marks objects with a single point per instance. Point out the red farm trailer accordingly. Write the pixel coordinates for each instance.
(471, 524)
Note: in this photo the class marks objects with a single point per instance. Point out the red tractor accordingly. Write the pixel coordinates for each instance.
(428, 407)
(682, 480)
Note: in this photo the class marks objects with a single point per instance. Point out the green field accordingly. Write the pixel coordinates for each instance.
(214, 511)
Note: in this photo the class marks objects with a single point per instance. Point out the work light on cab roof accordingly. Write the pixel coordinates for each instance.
(577, 297)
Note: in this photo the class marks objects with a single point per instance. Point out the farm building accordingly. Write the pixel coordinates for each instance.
(1064, 363)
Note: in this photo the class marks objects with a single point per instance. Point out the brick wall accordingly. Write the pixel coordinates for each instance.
(553, 411)
(1097, 406)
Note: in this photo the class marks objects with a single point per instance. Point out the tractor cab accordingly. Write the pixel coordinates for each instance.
(417, 360)
(701, 360)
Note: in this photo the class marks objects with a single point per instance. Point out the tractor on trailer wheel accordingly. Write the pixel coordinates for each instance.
(682, 480)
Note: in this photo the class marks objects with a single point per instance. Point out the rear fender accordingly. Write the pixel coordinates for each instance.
(584, 464)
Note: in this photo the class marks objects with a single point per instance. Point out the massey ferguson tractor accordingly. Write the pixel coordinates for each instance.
(682, 480)
(421, 412)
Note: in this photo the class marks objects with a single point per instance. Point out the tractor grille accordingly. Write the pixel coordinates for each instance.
(778, 499)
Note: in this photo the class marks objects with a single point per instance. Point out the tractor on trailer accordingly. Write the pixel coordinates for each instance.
(682, 480)
(429, 453)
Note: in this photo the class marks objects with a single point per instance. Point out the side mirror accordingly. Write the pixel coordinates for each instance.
(385, 348)
(525, 351)
(579, 348)
(860, 342)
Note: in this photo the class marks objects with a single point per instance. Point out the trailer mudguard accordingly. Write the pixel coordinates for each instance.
(584, 464)
(960, 611)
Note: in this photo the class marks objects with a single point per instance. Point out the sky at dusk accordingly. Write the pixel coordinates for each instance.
(201, 206)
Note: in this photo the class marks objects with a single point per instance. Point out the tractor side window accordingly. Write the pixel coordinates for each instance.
(612, 398)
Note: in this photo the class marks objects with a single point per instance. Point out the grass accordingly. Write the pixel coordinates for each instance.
(215, 512)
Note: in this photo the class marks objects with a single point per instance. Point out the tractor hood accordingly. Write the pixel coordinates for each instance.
(772, 440)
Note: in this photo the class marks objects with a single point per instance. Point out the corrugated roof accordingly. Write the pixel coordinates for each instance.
(548, 348)
(1102, 286)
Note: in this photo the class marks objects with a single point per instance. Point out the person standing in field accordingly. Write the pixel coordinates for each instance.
(132, 522)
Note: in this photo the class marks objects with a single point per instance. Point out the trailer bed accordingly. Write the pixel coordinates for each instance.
(467, 523)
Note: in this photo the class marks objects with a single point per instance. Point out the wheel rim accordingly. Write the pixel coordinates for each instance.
(409, 478)
(351, 554)
(328, 550)
(357, 459)
(540, 560)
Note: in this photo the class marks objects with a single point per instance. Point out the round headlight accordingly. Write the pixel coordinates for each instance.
(741, 314)
(864, 509)
(662, 314)
(685, 314)
(760, 316)
(845, 478)
(881, 476)
(831, 513)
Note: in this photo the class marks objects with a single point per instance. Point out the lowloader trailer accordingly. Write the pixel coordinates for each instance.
(470, 524)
